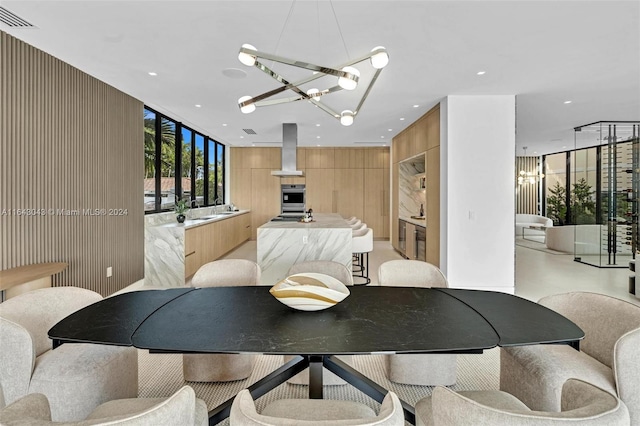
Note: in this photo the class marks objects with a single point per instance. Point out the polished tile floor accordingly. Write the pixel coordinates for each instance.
(538, 273)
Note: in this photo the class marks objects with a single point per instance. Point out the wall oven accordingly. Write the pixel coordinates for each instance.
(292, 199)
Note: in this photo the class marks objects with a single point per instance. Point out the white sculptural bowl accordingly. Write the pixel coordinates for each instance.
(309, 291)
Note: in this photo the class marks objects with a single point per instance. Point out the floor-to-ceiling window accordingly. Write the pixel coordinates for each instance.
(180, 163)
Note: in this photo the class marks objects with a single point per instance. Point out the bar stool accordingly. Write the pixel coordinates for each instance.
(355, 259)
(362, 245)
(351, 220)
(356, 224)
(358, 227)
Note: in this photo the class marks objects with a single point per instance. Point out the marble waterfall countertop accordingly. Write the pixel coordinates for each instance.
(200, 219)
(164, 240)
(321, 220)
(281, 244)
(418, 222)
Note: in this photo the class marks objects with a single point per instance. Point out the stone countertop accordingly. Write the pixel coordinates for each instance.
(417, 222)
(321, 221)
(195, 222)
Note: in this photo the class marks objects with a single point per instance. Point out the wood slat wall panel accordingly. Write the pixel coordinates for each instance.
(69, 143)
(527, 193)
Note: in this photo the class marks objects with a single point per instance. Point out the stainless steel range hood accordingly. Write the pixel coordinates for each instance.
(289, 147)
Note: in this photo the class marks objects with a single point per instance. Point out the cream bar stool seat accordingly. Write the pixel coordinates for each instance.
(417, 369)
(341, 273)
(221, 367)
(356, 225)
(361, 246)
(351, 220)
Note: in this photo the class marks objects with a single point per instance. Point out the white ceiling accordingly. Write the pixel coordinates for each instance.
(544, 52)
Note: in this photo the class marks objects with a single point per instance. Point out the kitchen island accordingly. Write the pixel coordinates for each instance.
(281, 244)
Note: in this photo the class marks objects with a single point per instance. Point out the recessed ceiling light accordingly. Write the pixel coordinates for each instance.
(241, 137)
(317, 125)
(564, 146)
(234, 73)
(153, 73)
(198, 105)
(391, 130)
(253, 144)
(416, 106)
(481, 72)
(317, 137)
(402, 119)
(224, 124)
(535, 152)
(567, 102)
(318, 145)
(381, 137)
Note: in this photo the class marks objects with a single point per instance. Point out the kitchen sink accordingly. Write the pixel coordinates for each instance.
(225, 213)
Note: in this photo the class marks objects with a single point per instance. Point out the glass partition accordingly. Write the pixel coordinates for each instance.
(604, 193)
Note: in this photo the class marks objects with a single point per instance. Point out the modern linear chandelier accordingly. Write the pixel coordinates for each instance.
(347, 78)
(528, 177)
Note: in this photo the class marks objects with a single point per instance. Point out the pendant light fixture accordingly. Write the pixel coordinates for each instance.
(347, 78)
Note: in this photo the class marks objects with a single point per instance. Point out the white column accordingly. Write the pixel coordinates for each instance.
(477, 186)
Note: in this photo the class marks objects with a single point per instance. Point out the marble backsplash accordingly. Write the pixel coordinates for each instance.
(411, 195)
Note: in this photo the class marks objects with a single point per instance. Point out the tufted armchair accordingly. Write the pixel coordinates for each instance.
(75, 378)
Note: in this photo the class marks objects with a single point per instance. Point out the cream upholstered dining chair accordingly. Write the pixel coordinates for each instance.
(327, 267)
(341, 273)
(316, 412)
(182, 408)
(609, 355)
(582, 403)
(75, 377)
(221, 367)
(417, 369)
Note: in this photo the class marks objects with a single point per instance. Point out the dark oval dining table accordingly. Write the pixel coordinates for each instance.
(371, 320)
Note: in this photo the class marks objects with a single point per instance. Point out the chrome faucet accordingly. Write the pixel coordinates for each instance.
(218, 201)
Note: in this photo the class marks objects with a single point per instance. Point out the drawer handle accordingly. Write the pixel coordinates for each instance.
(189, 254)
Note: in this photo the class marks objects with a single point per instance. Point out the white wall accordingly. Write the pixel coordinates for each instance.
(477, 182)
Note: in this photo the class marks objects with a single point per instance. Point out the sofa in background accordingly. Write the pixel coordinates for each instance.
(525, 220)
(585, 239)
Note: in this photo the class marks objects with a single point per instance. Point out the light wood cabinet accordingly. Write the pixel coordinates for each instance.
(210, 241)
(320, 190)
(349, 158)
(432, 210)
(334, 178)
(265, 198)
(319, 158)
(433, 127)
(349, 186)
(376, 206)
(421, 136)
(395, 241)
(376, 158)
